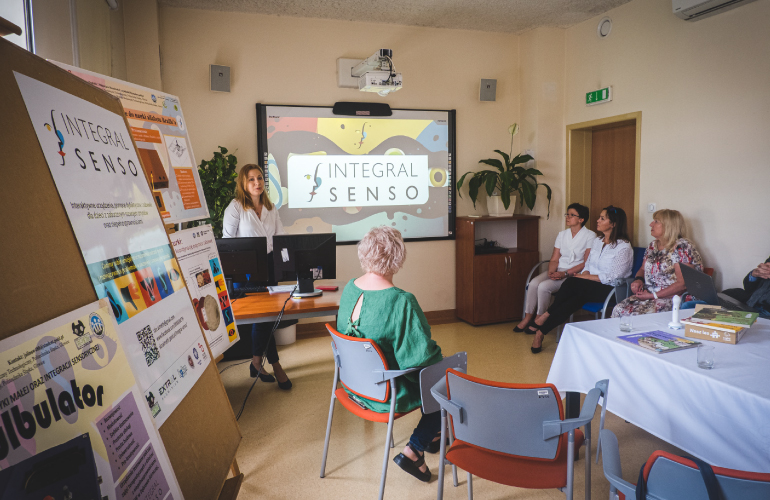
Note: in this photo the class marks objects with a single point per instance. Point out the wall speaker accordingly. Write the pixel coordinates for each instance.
(487, 90)
(220, 78)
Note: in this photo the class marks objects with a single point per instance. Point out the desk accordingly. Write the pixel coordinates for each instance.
(719, 415)
(264, 307)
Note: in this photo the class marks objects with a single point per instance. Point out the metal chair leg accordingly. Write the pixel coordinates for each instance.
(455, 482)
(588, 460)
(329, 422)
(392, 443)
(388, 438)
(441, 455)
(470, 486)
(570, 463)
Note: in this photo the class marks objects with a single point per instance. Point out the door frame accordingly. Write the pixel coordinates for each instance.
(578, 175)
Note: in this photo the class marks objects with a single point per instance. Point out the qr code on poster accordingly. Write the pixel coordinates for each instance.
(149, 347)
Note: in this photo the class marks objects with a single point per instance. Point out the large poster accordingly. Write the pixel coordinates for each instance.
(74, 423)
(198, 257)
(122, 238)
(160, 132)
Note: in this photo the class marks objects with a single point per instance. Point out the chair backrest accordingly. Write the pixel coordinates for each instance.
(638, 260)
(357, 359)
(673, 477)
(506, 418)
(433, 373)
(709, 271)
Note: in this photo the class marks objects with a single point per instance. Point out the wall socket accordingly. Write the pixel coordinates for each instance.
(651, 207)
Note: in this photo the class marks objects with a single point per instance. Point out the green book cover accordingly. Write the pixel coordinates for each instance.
(734, 318)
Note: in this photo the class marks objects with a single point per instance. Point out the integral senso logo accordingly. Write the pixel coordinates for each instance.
(316, 183)
(59, 136)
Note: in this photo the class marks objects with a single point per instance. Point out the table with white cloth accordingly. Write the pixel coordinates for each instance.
(720, 415)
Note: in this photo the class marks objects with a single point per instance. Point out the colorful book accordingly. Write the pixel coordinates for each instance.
(733, 318)
(658, 341)
(704, 323)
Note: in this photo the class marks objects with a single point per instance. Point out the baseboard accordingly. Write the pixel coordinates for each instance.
(318, 329)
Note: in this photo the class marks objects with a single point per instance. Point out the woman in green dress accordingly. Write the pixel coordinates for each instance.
(372, 307)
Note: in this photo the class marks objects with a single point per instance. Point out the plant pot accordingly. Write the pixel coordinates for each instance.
(497, 209)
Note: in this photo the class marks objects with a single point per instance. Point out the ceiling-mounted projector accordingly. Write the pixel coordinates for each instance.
(377, 73)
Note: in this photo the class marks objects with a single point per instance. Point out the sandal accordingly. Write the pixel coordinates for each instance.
(435, 446)
(532, 329)
(413, 466)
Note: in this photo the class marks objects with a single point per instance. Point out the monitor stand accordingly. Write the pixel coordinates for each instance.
(306, 289)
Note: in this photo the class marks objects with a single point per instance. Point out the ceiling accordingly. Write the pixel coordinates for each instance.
(505, 16)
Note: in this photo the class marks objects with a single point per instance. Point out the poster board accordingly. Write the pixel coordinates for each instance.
(45, 275)
(159, 129)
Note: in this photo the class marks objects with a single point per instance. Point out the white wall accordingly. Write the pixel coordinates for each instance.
(284, 60)
(704, 92)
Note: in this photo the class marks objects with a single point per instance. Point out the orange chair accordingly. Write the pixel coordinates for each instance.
(513, 434)
(670, 477)
(361, 368)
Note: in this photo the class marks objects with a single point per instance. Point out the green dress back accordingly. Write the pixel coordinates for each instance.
(392, 319)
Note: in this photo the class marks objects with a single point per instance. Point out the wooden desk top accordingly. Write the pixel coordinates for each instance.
(258, 307)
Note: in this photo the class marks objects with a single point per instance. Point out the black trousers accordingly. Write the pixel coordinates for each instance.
(262, 344)
(571, 297)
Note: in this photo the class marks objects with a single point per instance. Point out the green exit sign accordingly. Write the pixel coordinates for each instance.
(599, 96)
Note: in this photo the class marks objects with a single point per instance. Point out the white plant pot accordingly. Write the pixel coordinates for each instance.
(497, 209)
(286, 336)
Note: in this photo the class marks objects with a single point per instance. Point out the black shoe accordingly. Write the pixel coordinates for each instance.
(413, 466)
(536, 350)
(285, 385)
(519, 330)
(264, 377)
(531, 329)
(435, 446)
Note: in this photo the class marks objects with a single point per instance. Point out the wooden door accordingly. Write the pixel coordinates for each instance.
(613, 176)
(490, 287)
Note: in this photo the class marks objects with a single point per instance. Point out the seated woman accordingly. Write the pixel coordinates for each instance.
(610, 260)
(569, 255)
(660, 278)
(372, 307)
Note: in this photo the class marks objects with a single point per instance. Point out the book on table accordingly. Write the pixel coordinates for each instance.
(706, 323)
(741, 319)
(658, 341)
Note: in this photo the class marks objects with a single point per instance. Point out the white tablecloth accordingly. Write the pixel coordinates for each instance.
(721, 415)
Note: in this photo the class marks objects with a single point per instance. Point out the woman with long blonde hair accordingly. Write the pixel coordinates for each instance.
(250, 214)
(660, 277)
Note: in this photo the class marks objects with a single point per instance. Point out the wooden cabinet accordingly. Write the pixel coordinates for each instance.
(490, 287)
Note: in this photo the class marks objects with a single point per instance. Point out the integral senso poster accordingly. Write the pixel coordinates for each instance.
(74, 423)
(159, 129)
(122, 238)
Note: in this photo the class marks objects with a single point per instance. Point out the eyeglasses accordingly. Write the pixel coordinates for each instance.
(571, 215)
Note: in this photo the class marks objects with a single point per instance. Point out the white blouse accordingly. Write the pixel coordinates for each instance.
(240, 223)
(573, 249)
(611, 262)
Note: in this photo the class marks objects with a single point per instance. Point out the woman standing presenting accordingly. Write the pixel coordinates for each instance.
(569, 255)
(611, 259)
(251, 214)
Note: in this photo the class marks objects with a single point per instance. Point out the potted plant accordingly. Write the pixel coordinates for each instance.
(509, 180)
(218, 181)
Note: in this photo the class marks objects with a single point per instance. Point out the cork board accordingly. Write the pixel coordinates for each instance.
(44, 275)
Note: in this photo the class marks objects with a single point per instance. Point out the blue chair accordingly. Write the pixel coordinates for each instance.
(621, 291)
(670, 477)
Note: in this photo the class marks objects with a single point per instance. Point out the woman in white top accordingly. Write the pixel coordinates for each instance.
(251, 213)
(569, 255)
(610, 260)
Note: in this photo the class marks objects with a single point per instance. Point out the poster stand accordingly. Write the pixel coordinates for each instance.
(44, 276)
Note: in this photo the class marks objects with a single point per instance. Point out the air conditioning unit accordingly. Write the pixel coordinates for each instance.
(695, 10)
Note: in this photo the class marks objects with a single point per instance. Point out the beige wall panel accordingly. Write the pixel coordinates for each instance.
(53, 36)
(94, 36)
(703, 90)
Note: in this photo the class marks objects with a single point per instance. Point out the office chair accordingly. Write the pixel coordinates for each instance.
(670, 477)
(513, 434)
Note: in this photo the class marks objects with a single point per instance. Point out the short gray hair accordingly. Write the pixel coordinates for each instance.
(382, 251)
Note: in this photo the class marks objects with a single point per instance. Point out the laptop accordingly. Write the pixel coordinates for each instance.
(702, 287)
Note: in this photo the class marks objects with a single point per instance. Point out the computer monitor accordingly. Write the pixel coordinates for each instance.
(305, 257)
(243, 260)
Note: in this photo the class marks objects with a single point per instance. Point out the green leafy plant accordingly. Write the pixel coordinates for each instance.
(218, 180)
(509, 178)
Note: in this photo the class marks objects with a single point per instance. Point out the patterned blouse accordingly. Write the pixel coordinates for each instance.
(659, 274)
